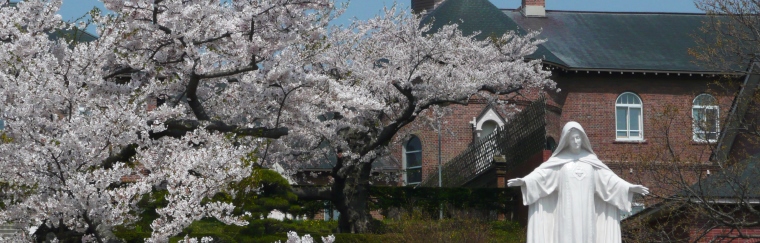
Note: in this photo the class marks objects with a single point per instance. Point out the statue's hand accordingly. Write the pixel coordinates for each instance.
(515, 182)
(639, 189)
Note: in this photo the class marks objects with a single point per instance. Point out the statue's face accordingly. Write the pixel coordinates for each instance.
(575, 141)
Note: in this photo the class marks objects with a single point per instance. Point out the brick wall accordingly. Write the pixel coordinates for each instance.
(534, 2)
(726, 235)
(590, 100)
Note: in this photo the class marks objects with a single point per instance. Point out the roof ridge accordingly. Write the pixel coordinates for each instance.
(609, 12)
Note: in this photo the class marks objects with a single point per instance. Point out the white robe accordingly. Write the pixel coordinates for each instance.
(574, 200)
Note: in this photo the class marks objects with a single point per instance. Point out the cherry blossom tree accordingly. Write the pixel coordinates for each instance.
(80, 147)
(381, 75)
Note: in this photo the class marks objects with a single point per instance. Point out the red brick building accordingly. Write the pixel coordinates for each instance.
(616, 73)
(628, 78)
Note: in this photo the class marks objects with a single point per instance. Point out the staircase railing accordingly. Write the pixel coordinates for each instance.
(523, 136)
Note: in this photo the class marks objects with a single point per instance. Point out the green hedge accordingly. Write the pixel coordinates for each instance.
(429, 199)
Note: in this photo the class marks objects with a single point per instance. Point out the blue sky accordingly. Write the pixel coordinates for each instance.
(364, 9)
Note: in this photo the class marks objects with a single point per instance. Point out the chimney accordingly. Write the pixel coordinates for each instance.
(534, 8)
(428, 5)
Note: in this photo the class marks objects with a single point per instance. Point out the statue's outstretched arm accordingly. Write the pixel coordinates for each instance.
(639, 189)
(515, 182)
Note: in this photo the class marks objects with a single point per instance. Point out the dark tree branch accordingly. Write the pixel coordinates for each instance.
(195, 79)
(235, 71)
(201, 42)
(122, 156)
(192, 98)
(497, 91)
(121, 71)
(178, 128)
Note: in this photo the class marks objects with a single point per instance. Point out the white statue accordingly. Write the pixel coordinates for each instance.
(573, 196)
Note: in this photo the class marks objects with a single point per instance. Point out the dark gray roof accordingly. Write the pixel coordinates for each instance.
(472, 16)
(588, 40)
(478, 16)
(733, 182)
(618, 41)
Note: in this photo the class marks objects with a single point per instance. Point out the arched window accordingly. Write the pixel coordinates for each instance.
(413, 161)
(705, 118)
(628, 119)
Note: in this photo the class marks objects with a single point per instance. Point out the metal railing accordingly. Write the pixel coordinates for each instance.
(522, 137)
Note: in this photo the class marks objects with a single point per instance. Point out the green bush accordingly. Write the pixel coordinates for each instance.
(428, 200)
(418, 229)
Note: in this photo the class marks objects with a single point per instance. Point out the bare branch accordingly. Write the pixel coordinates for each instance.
(178, 128)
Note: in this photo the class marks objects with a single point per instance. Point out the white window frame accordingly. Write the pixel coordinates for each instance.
(405, 163)
(627, 129)
(696, 131)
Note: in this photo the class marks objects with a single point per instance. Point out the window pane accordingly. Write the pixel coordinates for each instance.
(628, 99)
(711, 120)
(699, 135)
(622, 134)
(414, 159)
(621, 99)
(414, 144)
(414, 175)
(621, 116)
(712, 136)
(705, 99)
(634, 119)
(635, 134)
(698, 115)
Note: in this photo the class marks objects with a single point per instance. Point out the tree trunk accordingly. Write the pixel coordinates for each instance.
(350, 192)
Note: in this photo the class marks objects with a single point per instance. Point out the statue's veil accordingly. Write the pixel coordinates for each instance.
(564, 139)
(561, 156)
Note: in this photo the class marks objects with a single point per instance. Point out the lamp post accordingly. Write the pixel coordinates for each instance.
(440, 211)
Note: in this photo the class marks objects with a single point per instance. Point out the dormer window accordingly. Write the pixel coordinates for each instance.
(486, 123)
